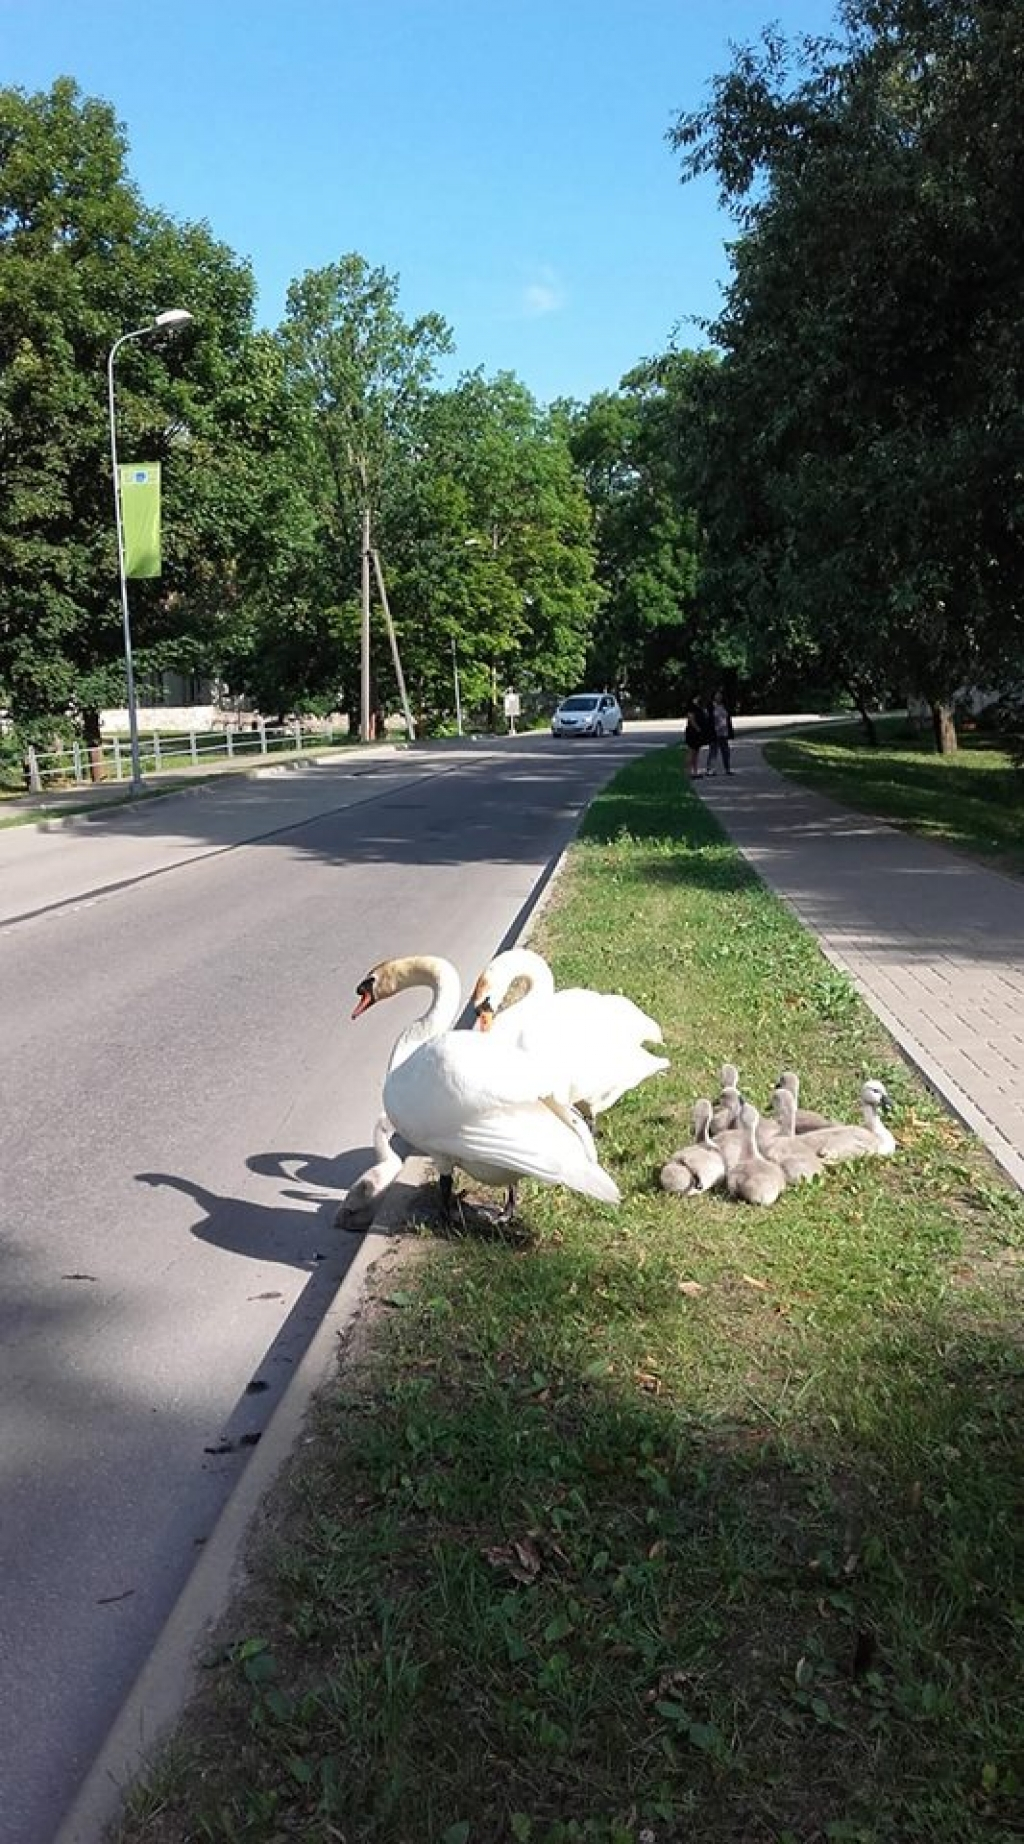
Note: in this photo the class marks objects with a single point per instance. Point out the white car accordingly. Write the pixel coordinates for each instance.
(587, 714)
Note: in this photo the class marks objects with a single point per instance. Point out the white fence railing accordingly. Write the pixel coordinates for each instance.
(77, 765)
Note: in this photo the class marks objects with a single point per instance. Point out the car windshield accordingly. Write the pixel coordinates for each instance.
(578, 704)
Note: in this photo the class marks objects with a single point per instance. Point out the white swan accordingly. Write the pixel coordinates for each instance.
(361, 1197)
(475, 1101)
(592, 1043)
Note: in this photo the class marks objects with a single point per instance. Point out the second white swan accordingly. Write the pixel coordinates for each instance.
(591, 1042)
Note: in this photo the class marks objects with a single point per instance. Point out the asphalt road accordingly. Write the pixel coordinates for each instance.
(184, 1101)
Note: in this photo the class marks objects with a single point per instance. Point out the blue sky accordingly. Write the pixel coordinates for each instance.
(505, 158)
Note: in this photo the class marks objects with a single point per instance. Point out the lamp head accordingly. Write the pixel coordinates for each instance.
(172, 317)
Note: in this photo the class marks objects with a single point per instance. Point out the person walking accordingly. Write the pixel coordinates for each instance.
(696, 735)
(720, 734)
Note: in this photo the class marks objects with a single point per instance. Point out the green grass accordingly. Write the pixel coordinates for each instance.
(973, 800)
(686, 1521)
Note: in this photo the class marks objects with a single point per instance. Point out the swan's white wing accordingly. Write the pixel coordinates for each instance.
(554, 1053)
(567, 1113)
(484, 1104)
(609, 1077)
(598, 1038)
(457, 1077)
(608, 1011)
(528, 1141)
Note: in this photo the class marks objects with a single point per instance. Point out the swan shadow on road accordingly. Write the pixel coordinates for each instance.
(267, 1232)
(298, 1238)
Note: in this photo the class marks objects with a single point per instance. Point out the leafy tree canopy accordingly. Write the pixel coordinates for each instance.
(861, 472)
(82, 261)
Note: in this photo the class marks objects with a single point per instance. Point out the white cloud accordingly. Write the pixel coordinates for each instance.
(544, 295)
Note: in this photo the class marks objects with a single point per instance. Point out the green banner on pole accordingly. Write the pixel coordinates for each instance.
(140, 517)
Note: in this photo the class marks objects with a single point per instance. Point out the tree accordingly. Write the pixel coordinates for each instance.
(82, 260)
(359, 370)
(866, 421)
(635, 449)
(489, 532)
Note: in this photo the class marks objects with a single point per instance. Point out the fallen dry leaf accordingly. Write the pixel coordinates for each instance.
(752, 1281)
(691, 1288)
(521, 1558)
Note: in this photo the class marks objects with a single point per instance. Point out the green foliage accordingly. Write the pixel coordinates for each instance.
(474, 503)
(272, 446)
(488, 531)
(862, 489)
(82, 261)
(360, 371)
(635, 448)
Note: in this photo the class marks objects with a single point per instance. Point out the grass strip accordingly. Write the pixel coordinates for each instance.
(972, 801)
(683, 1521)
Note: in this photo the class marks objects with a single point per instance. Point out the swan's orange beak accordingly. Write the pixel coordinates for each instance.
(364, 991)
(484, 1016)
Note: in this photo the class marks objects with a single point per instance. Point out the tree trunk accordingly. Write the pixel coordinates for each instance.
(944, 728)
(860, 699)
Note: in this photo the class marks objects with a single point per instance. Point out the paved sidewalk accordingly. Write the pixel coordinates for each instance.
(933, 941)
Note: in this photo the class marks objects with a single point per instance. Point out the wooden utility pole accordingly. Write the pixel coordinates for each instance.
(364, 646)
(396, 657)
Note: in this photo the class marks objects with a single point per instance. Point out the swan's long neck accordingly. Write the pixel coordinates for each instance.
(875, 1125)
(382, 1133)
(753, 1146)
(520, 964)
(441, 978)
(785, 1110)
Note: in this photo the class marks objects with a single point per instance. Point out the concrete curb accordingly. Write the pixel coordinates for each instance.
(170, 1674)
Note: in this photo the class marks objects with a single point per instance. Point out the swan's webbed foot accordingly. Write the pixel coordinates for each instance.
(491, 1220)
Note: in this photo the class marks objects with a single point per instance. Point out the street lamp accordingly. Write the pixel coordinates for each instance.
(458, 697)
(170, 319)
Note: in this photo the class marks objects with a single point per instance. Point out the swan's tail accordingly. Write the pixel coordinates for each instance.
(591, 1179)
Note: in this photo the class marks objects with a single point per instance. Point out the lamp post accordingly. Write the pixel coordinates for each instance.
(173, 317)
(458, 696)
